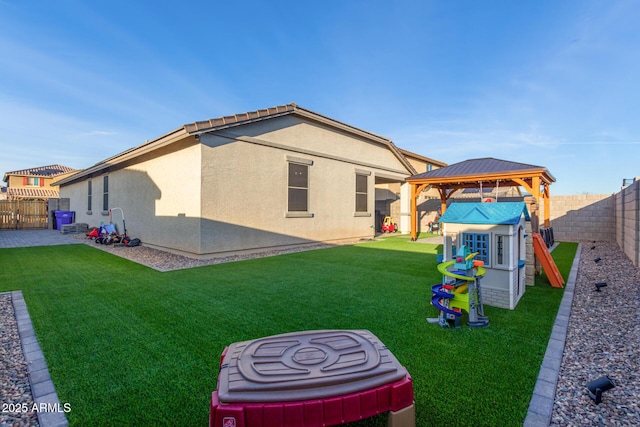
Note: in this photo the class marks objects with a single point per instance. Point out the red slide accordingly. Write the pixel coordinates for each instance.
(542, 253)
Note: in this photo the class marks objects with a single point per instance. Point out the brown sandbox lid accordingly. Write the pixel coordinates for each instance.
(306, 365)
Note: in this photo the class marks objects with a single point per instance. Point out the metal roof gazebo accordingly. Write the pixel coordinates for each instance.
(478, 173)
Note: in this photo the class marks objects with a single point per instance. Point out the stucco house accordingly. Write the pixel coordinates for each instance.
(35, 183)
(270, 178)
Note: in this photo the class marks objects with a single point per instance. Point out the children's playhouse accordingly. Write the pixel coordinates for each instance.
(497, 232)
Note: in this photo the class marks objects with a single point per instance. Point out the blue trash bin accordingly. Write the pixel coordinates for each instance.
(64, 217)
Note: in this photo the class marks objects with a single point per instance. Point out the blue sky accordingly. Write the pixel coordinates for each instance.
(549, 83)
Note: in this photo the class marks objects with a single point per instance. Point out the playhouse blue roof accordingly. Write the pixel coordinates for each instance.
(508, 213)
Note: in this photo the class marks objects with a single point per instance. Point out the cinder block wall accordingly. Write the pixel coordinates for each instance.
(627, 203)
(583, 217)
(614, 217)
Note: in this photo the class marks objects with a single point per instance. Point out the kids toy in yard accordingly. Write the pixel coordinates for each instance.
(104, 233)
(460, 290)
(108, 234)
(388, 226)
(311, 379)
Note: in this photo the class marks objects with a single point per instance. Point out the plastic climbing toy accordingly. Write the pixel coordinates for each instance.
(460, 290)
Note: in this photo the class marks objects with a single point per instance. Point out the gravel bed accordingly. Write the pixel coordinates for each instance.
(166, 261)
(603, 338)
(16, 400)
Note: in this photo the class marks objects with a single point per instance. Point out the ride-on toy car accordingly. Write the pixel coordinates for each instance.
(388, 226)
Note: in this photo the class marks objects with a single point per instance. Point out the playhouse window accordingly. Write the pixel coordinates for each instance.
(477, 242)
(502, 250)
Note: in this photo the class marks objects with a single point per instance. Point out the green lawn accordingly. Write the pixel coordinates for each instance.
(127, 345)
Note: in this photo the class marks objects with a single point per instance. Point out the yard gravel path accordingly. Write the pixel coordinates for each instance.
(15, 391)
(603, 336)
(166, 261)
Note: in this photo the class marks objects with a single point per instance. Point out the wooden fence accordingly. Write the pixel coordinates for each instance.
(23, 214)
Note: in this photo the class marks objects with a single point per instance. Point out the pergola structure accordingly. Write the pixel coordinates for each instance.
(479, 173)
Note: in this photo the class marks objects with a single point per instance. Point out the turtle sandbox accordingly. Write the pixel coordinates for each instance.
(309, 379)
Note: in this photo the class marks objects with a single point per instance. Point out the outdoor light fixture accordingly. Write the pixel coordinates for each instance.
(597, 260)
(600, 285)
(599, 386)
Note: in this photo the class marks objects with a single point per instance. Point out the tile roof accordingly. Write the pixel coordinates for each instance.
(44, 171)
(220, 123)
(32, 193)
(238, 119)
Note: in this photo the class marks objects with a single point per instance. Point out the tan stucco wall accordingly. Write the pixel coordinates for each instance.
(229, 193)
(159, 196)
(244, 202)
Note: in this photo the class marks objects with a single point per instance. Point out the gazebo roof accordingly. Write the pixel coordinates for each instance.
(479, 173)
(470, 172)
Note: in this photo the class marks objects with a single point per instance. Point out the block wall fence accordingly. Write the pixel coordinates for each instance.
(600, 217)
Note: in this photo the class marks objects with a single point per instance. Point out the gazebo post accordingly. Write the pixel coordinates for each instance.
(414, 212)
(546, 197)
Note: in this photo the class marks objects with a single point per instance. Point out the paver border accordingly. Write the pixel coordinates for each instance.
(541, 404)
(42, 388)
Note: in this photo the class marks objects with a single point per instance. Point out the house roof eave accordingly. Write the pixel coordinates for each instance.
(129, 154)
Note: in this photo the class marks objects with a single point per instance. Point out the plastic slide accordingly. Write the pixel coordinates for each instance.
(438, 295)
(542, 253)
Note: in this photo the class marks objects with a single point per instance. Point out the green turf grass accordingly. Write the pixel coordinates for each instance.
(127, 345)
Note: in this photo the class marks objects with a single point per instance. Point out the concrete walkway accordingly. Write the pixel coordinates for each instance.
(26, 238)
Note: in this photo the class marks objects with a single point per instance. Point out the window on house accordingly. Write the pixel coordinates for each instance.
(477, 242)
(32, 181)
(298, 198)
(105, 193)
(89, 195)
(502, 250)
(361, 193)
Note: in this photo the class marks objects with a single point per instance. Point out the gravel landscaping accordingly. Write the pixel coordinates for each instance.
(165, 261)
(15, 392)
(603, 337)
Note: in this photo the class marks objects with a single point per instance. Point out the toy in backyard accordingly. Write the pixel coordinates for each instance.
(435, 224)
(459, 290)
(104, 233)
(388, 226)
(311, 379)
(108, 234)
